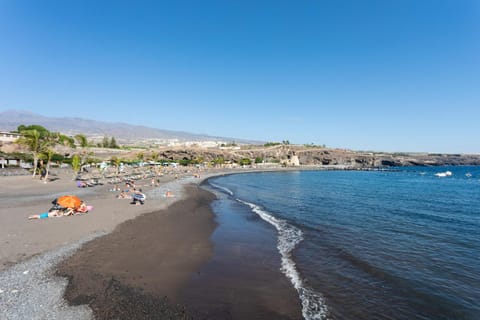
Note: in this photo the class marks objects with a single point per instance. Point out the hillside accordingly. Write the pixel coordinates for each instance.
(123, 132)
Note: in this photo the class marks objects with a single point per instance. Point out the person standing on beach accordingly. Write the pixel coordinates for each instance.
(43, 173)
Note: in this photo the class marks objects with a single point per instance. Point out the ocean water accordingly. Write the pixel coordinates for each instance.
(397, 244)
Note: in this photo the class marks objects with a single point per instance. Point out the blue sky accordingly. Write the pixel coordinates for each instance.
(365, 75)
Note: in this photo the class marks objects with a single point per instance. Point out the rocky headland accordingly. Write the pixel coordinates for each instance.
(292, 155)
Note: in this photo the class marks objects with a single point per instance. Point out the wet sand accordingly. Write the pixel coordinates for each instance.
(145, 267)
(144, 259)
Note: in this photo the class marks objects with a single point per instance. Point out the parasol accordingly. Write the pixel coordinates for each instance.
(69, 201)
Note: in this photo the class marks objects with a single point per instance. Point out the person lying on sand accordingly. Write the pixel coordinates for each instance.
(81, 184)
(169, 194)
(58, 212)
(124, 195)
(115, 188)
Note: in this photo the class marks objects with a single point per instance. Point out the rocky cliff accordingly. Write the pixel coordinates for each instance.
(317, 156)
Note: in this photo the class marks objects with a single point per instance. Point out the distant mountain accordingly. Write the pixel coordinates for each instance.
(123, 132)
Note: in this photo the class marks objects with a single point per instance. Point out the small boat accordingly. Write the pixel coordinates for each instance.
(468, 175)
(444, 174)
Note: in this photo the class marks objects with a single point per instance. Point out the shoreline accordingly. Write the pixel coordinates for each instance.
(32, 250)
(26, 241)
(161, 265)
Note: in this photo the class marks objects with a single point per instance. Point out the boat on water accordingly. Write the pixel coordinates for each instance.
(444, 174)
(468, 175)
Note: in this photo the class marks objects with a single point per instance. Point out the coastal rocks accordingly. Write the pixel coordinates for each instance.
(385, 163)
(299, 155)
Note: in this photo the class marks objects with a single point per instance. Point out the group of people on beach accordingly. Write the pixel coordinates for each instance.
(70, 205)
(131, 192)
(63, 206)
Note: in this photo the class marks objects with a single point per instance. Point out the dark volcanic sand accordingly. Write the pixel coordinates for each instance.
(129, 273)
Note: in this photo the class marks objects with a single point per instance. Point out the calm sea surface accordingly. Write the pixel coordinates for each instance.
(400, 244)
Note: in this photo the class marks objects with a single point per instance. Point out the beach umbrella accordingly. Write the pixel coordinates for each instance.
(69, 201)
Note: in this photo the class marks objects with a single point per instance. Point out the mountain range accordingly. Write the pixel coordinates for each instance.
(123, 132)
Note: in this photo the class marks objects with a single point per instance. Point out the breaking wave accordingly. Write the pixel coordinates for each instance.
(313, 304)
(226, 190)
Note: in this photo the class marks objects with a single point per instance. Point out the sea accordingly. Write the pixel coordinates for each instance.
(402, 243)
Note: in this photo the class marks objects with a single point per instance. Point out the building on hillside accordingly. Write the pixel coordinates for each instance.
(292, 160)
(8, 137)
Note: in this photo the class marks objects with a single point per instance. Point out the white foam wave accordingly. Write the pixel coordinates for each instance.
(228, 191)
(313, 304)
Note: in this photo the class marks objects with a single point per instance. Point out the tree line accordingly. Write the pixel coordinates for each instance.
(40, 144)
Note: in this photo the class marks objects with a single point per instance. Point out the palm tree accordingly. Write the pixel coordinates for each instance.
(49, 141)
(76, 164)
(31, 139)
(48, 155)
(154, 156)
(66, 141)
(117, 162)
(82, 140)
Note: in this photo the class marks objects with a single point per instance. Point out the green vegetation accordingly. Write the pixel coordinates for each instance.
(219, 161)
(245, 162)
(76, 163)
(49, 141)
(108, 143)
(66, 141)
(116, 161)
(184, 162)
(81, 140)
(140, 156)
(197, 160)
(271, 144)
(38, 141)
(231, 144)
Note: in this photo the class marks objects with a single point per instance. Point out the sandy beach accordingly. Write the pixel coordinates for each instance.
(22, 196)
(123, 261)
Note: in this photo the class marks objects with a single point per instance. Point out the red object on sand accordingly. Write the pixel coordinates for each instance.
(69, 201)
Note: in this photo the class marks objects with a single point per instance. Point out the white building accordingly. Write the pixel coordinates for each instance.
(8, 137)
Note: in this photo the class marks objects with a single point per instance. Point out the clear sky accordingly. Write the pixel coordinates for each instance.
(385, 75)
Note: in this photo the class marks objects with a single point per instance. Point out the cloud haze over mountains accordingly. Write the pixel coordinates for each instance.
(123, 132)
